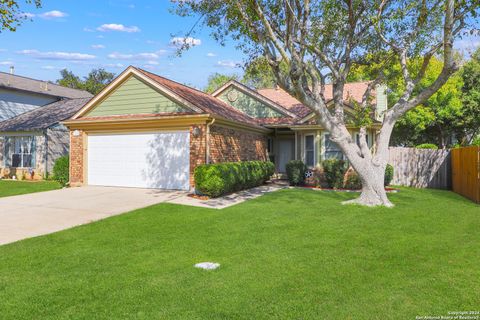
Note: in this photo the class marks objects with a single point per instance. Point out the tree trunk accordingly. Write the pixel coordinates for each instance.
(373, 188)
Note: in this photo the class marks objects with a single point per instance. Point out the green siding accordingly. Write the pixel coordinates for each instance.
(135, 97)
(250, 105)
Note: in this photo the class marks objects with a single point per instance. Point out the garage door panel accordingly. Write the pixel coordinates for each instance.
(152, 160)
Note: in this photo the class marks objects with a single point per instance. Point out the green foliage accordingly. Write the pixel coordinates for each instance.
(218, 179)
(11, 15)
(61, 170)
(427, 146)
(470, 74)
(388, 174)
(217, 80)
(94, 82)
(476, 141)
(296, 172)
(352, 181)
(334, 171)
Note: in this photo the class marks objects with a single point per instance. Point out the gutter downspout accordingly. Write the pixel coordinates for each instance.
(207, 141)
(45, 173)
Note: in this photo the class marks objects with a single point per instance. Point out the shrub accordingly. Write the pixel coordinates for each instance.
(388, 175)
(61, 170)
(334, 171)
(296, 172)
(353, 181)
(427, 146)
(218, 179)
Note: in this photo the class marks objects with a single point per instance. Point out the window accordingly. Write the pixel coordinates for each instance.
(310, 150)
(270, 145)
(19, 152)
(358, 139)
(332, 150)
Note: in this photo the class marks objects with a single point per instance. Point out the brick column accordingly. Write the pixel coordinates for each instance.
(77, 153)
(197, 150)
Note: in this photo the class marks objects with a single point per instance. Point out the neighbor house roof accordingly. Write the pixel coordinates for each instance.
(44, 117)
(10, 81)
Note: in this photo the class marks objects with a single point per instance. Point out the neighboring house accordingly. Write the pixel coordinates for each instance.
(146, 131)
(31, 136)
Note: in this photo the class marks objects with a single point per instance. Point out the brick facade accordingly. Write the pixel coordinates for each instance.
(230, 145)
(77, 150)
(226, 144)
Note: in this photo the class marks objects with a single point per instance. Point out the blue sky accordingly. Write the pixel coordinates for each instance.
(81, 35)
(112, 34)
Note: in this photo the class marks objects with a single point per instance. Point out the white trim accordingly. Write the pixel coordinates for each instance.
(305, 149)
(131, 71)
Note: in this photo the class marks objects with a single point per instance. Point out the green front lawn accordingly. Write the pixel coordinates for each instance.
(292, 254)
(13, 188)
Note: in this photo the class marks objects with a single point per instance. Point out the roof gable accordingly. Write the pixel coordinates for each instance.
(133, 96)
(248, 104)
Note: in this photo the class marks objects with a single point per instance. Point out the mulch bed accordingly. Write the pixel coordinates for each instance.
(388, 190)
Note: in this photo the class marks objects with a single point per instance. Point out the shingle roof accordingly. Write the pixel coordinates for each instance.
(354, 90)
(44, 117)
(11, 81)
(202, 100)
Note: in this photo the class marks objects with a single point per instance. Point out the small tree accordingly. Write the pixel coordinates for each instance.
(94, 82)
(320, 40)
(217, 80)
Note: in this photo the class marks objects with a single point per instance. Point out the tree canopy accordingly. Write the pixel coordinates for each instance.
(11, 14)
(94, 82)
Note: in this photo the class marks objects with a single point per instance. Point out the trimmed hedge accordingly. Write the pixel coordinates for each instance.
(61, 170)
(388, 175)
(296, 172)
(218, 179)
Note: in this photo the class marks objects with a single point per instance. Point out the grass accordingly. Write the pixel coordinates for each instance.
(13, 188)
(292, 254)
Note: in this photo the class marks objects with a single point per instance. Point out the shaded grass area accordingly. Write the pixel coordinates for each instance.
(292, 254)
(13, 188)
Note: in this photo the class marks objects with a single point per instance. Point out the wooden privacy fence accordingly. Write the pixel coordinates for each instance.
(466, 172)
(421, 168)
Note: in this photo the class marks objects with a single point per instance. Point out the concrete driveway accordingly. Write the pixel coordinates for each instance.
(41, 213)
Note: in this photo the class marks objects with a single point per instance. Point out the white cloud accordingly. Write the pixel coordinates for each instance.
(49, 67)
(152, 62)
(118, 27)
(114, 65)
(211, 54)
(54, 14)
(98, 46)
(6, 63)
(227, 64)
(88, 29)
(181, 41)
(57, 55)
(134, 56)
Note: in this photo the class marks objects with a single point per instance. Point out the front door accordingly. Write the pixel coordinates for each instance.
(286, 152)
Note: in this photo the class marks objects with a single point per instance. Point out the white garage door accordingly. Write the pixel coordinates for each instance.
(145, 160)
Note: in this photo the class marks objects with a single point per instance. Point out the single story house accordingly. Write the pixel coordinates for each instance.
(144, 130)
(31, 136)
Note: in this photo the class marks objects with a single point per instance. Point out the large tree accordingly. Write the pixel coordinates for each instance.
(12, 15)
(320, 40)
(216, 80)
(94, 82)
(471, 98)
